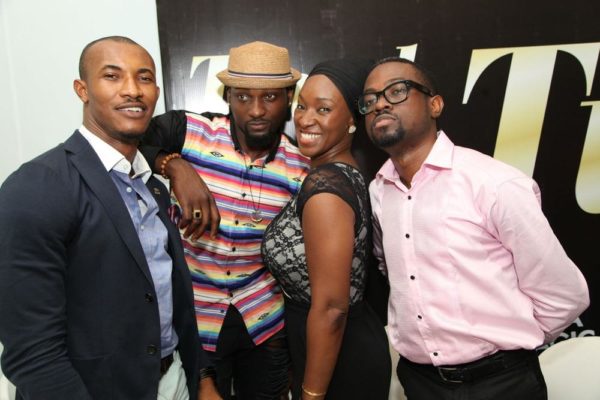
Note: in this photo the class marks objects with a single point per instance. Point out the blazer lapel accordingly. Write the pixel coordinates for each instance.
(87, 162)
(180, 269)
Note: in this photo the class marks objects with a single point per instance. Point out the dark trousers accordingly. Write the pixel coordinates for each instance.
(506, 375)
(257, 372)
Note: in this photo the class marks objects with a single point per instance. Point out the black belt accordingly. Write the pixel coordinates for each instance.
(165, 363)
(469, 372)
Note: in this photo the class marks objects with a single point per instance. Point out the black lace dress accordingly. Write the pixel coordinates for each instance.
(363, 367)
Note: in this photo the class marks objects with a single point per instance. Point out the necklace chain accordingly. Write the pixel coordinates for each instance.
(256, 215)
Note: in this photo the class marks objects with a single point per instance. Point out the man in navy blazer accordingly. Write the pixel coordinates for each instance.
(95, 297)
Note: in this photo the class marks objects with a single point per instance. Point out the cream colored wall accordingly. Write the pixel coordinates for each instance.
(40, 43)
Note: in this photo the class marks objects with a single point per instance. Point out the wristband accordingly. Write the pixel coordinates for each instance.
(207, 372)
(313, 394)
(165, 161)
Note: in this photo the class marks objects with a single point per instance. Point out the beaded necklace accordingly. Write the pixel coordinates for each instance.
(256, 215)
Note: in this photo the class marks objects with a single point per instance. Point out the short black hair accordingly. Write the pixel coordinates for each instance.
(426, 75)
(82, 57)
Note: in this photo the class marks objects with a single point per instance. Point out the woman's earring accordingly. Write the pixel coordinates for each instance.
(352, 129)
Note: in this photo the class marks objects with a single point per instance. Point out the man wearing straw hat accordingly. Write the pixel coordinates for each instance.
(252, 169)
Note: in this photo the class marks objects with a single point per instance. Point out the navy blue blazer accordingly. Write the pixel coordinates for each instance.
(78, 311)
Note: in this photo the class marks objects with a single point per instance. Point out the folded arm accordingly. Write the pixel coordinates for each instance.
(546, 274)
(166, 135)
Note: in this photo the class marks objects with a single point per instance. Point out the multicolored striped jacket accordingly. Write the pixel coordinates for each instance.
(229, 270)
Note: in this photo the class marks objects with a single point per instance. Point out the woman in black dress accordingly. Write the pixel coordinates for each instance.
(317, 249)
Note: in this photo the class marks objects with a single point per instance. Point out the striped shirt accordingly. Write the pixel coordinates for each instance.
(229, 270)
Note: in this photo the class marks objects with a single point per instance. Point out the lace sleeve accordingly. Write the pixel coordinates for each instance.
(328, 178)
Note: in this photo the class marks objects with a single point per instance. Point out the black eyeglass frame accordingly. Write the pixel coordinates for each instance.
(409, 85)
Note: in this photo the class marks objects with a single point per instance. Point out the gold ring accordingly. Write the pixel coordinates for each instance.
(197, 214)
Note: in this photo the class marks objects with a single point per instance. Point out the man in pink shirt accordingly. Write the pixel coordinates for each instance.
(478, 280)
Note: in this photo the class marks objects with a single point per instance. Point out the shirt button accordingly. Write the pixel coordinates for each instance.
(230, 294)
(149, 298)
(228, 272)
(407, 235)
(129, 190)
(435, 353)
(412, 277)
(142, 227)
(151, 349)
(410, 197)
(222, 311)
(250, 167)
(243, 194)
(233, 249)
(236, 222)
(418, 316)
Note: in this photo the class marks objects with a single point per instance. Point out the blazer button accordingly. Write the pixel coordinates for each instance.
(151, 349)
(149, 297)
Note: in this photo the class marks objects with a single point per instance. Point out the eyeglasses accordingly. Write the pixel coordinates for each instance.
(394, 93)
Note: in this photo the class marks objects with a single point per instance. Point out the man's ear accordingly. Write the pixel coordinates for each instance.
(437, 106)
(80, 88)
(290, 95)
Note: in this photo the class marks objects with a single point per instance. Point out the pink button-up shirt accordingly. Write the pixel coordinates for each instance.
(473, 264)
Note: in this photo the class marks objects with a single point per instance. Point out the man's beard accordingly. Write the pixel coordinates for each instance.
(264, 141)
(389, 140)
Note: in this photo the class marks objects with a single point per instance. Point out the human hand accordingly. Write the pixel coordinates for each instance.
(193, 195)
(207, 390)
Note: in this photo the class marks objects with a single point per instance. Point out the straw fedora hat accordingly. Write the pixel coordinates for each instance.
(259, 65)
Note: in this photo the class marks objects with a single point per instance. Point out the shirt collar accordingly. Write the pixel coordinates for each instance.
(112, 159)
(440, 157)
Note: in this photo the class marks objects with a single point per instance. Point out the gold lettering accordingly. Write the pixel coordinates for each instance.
(213, 90)
(587, 188)
(408, 52)
(524, 107)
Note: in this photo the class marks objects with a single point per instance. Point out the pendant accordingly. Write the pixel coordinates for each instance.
(255, 216)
